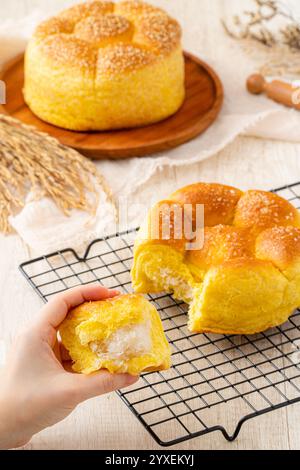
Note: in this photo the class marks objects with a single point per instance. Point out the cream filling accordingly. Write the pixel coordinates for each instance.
(170, 281)
(125, 343)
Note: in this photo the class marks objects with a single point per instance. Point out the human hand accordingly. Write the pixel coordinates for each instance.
(36, 390)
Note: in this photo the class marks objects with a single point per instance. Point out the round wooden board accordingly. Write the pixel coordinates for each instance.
(204, 97)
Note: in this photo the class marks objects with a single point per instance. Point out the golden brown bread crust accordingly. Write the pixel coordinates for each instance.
(135, 8)
(219, 200)
(110, 28)
(232, 220)
(159, 33)
(137, 34)
(74, 52)
(81, 11)
(222, 243)
(121, 58)
(55, 25)
(264, 210)
(166, 217)
(280, 245)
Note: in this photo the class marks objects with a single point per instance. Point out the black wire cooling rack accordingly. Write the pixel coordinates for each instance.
(214, 378)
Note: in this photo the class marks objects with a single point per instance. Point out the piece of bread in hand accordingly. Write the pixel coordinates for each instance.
(122, 334)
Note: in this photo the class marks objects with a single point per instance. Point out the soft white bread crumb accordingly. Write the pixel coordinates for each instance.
(125, 343)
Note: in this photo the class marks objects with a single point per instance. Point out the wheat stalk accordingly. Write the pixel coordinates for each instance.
(33, 161)
(277, 50)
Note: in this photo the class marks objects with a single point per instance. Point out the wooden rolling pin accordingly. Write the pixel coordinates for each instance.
(281, 92)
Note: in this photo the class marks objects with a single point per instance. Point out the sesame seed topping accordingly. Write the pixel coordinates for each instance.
(159, 31)
(139, 33)
(122, 57)
(94, 29)
(66, 49)
(83, 10)
(53, 26)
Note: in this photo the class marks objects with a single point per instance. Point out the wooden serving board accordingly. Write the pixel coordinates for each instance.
(204, 97)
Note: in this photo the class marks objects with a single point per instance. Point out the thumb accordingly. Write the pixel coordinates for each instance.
(99, 383)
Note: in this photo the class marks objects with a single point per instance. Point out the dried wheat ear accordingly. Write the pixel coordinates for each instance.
(270, 34)
(33, 161)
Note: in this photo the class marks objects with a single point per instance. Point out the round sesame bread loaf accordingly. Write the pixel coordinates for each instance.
(243, 275)
(102, 65)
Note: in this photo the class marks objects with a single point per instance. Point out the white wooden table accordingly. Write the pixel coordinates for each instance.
(105, 422)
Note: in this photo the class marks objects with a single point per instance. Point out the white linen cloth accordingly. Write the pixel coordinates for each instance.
(40, 222)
